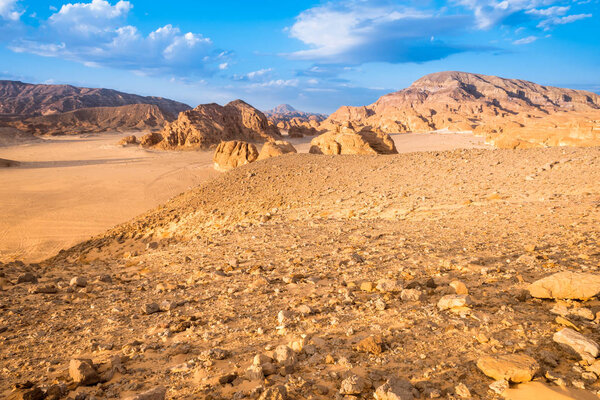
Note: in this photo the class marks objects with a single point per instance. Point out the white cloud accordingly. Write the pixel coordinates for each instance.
(261, 74)
(97, 34)
(8, 10)
(526, 40)
(358, 31)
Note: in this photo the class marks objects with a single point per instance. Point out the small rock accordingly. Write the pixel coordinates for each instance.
(44, 289)
(255, 373)
(394, 389)
(227, 378)
(304, 310)
(454, 301)
(410, 295)
(284, 317)
(516, 368)
(27, 277)
(459, 287)
(499, 386)
(366, 286)
(78, 281)
(371, 344)
(354, 384)
(274, 393)
(388, 286)
(462, 391)
(150, 308)
(158, 393)
(83, 372)
(284, 355)
(586, 348)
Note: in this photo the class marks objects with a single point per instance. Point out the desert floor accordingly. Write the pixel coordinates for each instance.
(70, 188)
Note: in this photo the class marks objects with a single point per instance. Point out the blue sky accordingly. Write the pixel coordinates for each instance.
(315, 55)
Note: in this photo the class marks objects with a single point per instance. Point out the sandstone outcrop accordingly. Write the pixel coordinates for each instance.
(128, 140)
(233, 154)
(509, 113)
(209, 124)
(275, 149)
(301, 131)
(345, 140)
(510, 367)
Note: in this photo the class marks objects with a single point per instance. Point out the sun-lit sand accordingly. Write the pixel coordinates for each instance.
(70, 188)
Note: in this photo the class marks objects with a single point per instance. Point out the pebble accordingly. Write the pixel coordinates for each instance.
(459, 287)
(516, 368)
(394, 389)
(354, 384)
(78, 281)
(83, 372)
(410, 295)
(462, 391)
(150, 308)
(371, 344)
(499, 386)
(157, 393)
(284, 355)
(454, 301)
(278, 392)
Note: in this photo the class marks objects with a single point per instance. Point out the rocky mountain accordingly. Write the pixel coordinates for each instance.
(209, 124)
(18, 99)
(98, 119)
(285, 116)
(508, 112)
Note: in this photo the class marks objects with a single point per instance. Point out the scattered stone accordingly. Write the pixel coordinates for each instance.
(394, 389)
(227, 378)
(27, 277)
(499, 386)
(150, 308)
(371, 344)
(278, 392)
(454, 302)
(388, 286)
(410, 295)
(304, 309)
(516, 368)
(44, 289)
(459, 287)
(284, 355)
(83, 372)
(255, 373)
(586, 348)
(78, 281)
(462, 391)
(285, 317)
(354, 384)
(566, 285)
(157, 393)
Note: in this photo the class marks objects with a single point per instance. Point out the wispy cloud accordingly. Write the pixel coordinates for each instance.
(526, 40)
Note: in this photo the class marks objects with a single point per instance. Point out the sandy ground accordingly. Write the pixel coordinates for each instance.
(68, 189)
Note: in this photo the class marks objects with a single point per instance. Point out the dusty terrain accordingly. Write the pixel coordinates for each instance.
(301, 258)
(70, 189)
(67, 189)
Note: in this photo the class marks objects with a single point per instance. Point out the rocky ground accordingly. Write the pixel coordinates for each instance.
(323, 277)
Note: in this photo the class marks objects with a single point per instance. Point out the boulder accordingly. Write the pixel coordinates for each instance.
(150, 139)
(233, 154)
(345, 140)
(301, 131)
(275, 149)
(566, 285)
(587, 349)
(515, 368)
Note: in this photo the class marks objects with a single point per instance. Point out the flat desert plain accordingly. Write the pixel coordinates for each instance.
(68, 189)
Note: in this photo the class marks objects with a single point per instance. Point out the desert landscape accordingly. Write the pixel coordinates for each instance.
(372, 236)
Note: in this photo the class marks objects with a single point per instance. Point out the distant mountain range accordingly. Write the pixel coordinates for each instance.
(65, 109)
(285, 116)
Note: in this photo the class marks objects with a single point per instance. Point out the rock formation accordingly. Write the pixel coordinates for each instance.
(233, 154)
(98, 119)
(301, 131)
(346, 140)
(128, 140)
(209, 124)
(275, 149)
(24, 100)
(285, 117)
(510, 113)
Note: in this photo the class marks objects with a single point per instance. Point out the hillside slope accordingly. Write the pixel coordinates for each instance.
(25, 99)
(508, 112)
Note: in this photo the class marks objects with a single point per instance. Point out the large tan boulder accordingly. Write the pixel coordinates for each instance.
(566, 285)
(209, 124)
(510, 367)
(275, 149)
(345, 140)
(233, 154)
